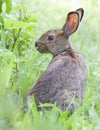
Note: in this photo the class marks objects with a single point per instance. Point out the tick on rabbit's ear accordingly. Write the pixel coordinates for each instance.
(50, 38)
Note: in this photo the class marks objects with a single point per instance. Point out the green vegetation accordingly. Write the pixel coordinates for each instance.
(21, 23)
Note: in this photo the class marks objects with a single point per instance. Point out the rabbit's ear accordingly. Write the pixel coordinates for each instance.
(80, 11)
(71, 24)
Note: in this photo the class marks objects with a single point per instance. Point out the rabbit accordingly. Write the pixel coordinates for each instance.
(64, 80)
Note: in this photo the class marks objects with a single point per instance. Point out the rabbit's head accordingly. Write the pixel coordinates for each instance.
(57, 41)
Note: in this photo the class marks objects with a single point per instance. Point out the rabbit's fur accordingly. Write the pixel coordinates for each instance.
(64, 80)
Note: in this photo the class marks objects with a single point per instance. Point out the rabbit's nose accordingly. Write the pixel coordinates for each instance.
(36, 44)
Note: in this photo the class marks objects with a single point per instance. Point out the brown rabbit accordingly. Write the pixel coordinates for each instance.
(64, 80)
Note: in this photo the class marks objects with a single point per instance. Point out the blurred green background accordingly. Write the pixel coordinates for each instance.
(21, 23)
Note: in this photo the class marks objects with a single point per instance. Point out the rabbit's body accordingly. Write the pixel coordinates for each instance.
(64, 80)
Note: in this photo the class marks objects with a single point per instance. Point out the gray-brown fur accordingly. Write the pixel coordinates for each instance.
(64, 80)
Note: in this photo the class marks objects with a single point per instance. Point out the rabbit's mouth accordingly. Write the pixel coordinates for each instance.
(41, 49)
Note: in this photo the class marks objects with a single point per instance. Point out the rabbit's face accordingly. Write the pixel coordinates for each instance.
(57, 41)
(53, 42)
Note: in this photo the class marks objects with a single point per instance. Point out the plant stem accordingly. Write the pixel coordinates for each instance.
(16, 38)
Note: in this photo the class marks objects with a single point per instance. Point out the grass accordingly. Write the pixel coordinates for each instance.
(19, 72)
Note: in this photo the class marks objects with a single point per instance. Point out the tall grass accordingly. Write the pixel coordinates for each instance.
(19, 71)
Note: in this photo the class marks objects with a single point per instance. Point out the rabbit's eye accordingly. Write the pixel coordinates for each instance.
(50, 38)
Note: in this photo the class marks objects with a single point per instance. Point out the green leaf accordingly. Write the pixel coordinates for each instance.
(46, 105)
(6, 63)
(1, 2)
(31, 20)
(1, 20)
(8, 5)
(63, 116)
(16, 25)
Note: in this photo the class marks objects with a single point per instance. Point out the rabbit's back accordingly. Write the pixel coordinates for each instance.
(64, 79)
